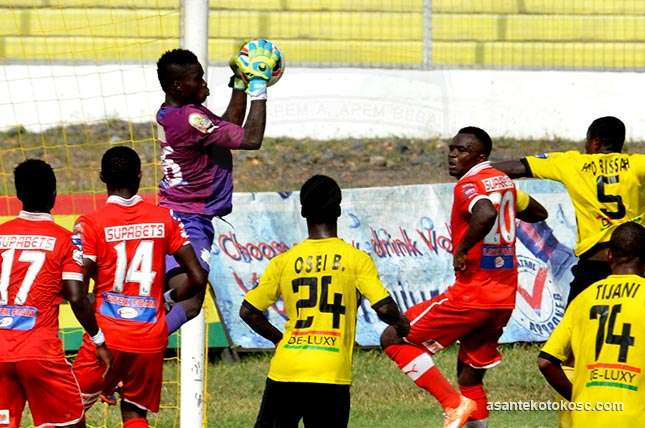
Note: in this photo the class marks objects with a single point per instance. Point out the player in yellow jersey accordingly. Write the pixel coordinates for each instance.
(603, 327)
(605, 187)
(321, 281)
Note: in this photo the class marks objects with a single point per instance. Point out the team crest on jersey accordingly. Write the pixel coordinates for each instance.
(539, 307)
(201, 123)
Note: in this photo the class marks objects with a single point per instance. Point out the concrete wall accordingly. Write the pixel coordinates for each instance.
(328, 103)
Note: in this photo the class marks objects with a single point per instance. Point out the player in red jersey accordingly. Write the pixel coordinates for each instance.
(479, 304)
(125, 244)
(41, 266)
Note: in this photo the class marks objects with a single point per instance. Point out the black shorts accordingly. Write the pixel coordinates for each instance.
(320, 405)
(585, 273)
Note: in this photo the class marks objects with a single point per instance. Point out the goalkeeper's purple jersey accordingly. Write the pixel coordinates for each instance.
(196, 159)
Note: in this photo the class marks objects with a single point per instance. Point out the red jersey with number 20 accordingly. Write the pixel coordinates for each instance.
(37, 255)
(129, 239)
(490, 278)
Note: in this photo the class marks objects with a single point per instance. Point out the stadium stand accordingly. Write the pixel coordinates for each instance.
(489, 33)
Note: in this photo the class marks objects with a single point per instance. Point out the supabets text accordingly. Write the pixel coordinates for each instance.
(134, 231)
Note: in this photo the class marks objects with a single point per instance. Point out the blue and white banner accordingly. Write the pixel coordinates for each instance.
(406, 230)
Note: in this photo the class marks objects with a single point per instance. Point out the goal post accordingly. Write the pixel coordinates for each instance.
(194, 36)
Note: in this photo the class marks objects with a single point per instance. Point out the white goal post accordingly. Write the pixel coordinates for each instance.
(194, 26)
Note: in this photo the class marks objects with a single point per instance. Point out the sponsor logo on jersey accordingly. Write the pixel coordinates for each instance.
(17, 317)
(613, 375)
(317, 340)
(4, 416)
(127, 313)
(539, 307)
(128, 232)
(500, 182)
(27, 242)
(469, 190)
(129, 308)
(201, 123)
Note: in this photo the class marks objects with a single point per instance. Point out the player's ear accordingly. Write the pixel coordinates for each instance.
(176, 85)
(610, 256)
(102, 177)
(593, 145)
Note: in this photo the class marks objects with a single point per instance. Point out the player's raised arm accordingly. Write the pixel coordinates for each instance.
(237, 105)
(513, 168)
(528, 209)
(482, 219)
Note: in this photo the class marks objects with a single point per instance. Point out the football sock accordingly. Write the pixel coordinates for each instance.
(136, 423)
(417, 364)
(478, 395)
(175, 318)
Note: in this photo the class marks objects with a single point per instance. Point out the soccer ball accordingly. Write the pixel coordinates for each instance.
(279, 67)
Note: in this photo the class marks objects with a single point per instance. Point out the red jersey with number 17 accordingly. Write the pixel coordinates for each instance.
(490, 278)
(37, 255)
(129, 239)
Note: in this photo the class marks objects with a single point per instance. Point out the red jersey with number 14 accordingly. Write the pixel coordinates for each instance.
(37, 255)
(129, 239)
(490, 278)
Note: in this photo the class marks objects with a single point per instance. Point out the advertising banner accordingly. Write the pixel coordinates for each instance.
(406, 230)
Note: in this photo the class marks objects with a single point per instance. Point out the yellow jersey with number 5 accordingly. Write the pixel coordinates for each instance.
(605, 189)
(603, 328)
(320, 282)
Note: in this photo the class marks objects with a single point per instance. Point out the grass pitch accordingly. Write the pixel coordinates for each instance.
(382, 397)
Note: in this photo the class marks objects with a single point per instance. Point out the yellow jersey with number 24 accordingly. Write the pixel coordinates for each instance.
(320, 282)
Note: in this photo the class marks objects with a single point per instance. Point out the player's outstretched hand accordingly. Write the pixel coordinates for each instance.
(256, 68)
(402, 327)
(459, 262)
(104, 355)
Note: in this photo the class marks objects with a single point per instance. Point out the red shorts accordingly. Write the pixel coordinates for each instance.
(49, 386)
(140, 374)
(437, 323)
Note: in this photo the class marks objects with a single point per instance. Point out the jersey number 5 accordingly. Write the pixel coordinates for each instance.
(336, 308)
(36, 259)
(605, 198)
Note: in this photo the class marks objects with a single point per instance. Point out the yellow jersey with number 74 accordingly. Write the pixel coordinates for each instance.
(605, 190)
(603, 328)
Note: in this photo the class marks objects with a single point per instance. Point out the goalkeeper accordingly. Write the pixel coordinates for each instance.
(195, 147)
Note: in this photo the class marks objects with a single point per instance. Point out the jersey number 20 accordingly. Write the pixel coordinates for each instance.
(503, 231)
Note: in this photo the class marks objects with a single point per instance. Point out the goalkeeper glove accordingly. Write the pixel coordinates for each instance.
(257, 66)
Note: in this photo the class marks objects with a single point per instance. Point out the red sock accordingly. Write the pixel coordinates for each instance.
(477, 394)
(136, 423)
(418, 365)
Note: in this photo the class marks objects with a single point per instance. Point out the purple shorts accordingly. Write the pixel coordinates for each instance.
(200, 232)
